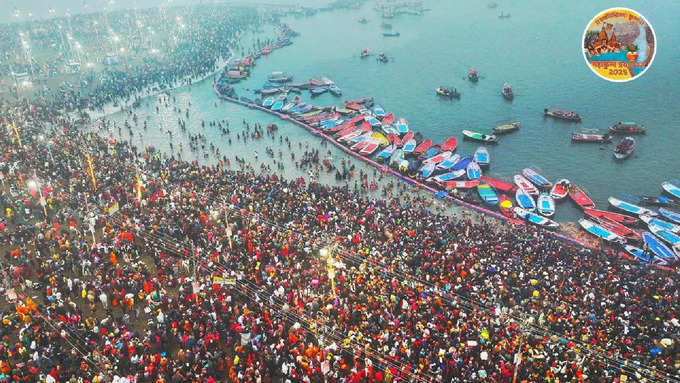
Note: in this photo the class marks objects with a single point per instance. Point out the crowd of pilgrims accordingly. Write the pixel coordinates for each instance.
(172, 271)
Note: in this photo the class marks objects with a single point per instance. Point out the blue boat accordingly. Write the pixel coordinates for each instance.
(536, 178)
(657, 247)
(535, 218)
(268, 102)
(599, 231)
(379, 111)
(644, 256)
(482, 156)
(286, 108)
(402, 126)
(327, 124)
(318, 91)
(668, 236)
(305, 109)
(671, 189)
(474, 172)
(373, 121)
(487, 194)
(387, 152)
(630, 208)
(450, 176)
(462, 164)
(427, 169)
(296, 109)
(660, 223)
(409, 146)
(278, 104)
(431, 152)
(524, 200)
(449, 162)
(670, 214)
(335, 91)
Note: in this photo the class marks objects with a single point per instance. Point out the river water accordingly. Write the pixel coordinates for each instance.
(537, 50)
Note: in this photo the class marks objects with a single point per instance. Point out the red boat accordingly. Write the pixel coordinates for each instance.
(499, 185)
(620, 218)
(387, 120)
(450, 144)
(580, 198)
(618, 229)
(394, 140)
(505, 206)
(461, 184)
(407, 136)
(352, 105)
(346, 130)
(422, 148)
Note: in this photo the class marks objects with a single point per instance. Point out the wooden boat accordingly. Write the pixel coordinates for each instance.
(499, 185)
(386, 153)
(671, 189)
(353, 106)
(506, 92)
(536, 178)
(450, 144)
(409, 146)
(473, 171)
(545, 205)
(562, 115)
(388, 119)
(391, 34)
(560, 189)
(450, 176)
(481, 156)
(395, 140)
(447, 92)
(619, 229)
(431, 152)
(318, 91)
(659, 201)
(427, 169)
(407, 136)
(595, 138)
(630, 208)
(438, 158)
(381, 139)
(360, 145)
(657, 247)
(524, 200)
(624, 148)
(476, 136)
(580, 197)
(660, 223)
(645, 256)
(667, 236)
(505, 206)
(670, 215)
(535, 218)
(620, 218)
(473, 75)
(378, 111)
(525, 185)
(370, 148)
(462, 164)
(402, 126)
(373, 121)
(627, 128)
(461, 184)
(335, 91)
(362, 100)
(487, 194)
(449, 162)
(422, 148)
(506, 128)
(600, 231)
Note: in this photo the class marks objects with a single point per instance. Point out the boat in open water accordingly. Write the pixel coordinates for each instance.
(627, 128)
(391, 34)
(589, 137)
(507, 92)
(580, 197)
(476, 136)
(506, 128)
(559, 114)
(473, 75)
(624, 148)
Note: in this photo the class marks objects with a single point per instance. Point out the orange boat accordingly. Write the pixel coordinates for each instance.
(580, 198)
(422, 148)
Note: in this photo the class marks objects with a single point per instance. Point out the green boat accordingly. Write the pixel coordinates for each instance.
(476, 136)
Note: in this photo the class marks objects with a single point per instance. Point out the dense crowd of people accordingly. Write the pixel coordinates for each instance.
(173, 271)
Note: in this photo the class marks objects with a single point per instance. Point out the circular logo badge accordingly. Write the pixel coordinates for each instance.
(619, 44)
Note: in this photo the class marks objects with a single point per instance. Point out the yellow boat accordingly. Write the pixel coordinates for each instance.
(381, 139)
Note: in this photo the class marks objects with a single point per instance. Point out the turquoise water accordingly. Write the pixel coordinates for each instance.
(537, 50)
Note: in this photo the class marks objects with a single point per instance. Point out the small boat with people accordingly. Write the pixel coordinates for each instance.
(589, 137)
(545, 205)
(656, 246)
(559, 114)
(524, 200)
(659, 201)
(363, 20)
(365, 53)
(386, 25)
(487, 194)
(473, 75)
(599, 231)
(580, 197)
(525, 185)
(627, 127)
(620, 218)
(382, 58)
(671, 188)
(507, 92)
(506, 128)
(477, 136)
(535, 218)
(645, 256)
(624, 148)
(630, 207)
(536, 178)
(391, 34)
(560, 189)
(448, 92)
(481, 156)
